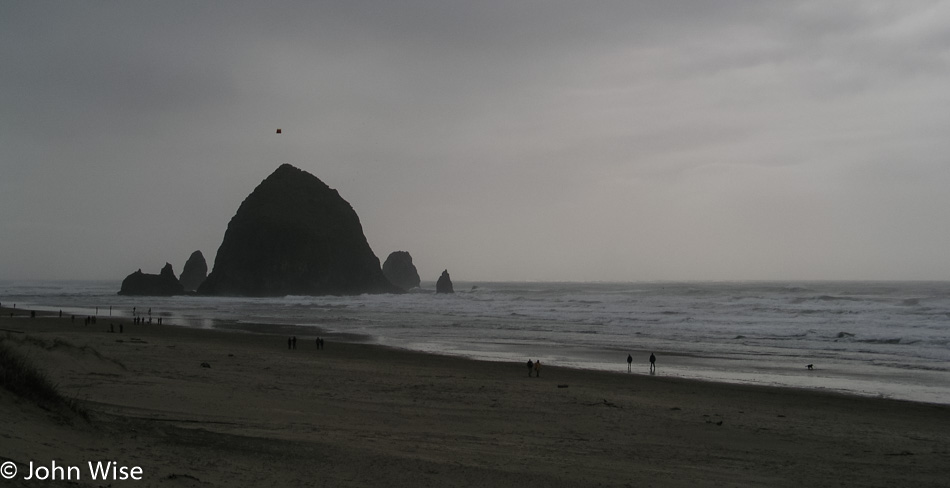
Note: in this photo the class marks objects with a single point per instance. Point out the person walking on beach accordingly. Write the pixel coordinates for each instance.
(294, 342)
(629, 363)
(652, 364)
(537, 368)
(530, 368)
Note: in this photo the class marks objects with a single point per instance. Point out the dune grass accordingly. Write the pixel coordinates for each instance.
(21, 377)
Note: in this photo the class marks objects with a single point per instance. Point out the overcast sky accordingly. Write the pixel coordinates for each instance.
(503, 140)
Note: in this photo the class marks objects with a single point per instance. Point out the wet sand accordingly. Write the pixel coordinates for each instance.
(363, 415)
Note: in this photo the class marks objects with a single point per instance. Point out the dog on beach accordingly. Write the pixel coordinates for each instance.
(810, 366)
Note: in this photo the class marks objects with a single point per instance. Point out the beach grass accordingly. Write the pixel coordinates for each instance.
(21, 377)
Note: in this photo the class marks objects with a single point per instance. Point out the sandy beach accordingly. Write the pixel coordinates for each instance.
(258, 414)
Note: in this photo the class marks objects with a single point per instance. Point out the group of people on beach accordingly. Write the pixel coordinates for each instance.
(143, 320)
(292, 342)
(534, 367)
(652, 363)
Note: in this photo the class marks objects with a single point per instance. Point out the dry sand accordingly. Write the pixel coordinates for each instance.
(361, 415)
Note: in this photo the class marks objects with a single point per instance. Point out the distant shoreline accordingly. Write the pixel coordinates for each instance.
(780, 370)
(309, 332)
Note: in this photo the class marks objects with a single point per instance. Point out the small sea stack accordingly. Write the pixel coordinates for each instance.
(400, 271)
(194, 272)
(444, 285)
(143, 284)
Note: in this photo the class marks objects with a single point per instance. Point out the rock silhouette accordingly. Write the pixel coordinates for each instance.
(163, 284)
(194, 272)
(444, 285)
(400, 271)
(294, 235)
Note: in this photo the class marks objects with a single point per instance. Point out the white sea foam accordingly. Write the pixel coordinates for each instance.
(873, 338)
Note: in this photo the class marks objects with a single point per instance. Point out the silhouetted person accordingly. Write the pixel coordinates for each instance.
(121, 329)
(294, 342)
(32, 314)
(537, 368)
(629, 363)
(530, 367)
(652, 363)
(60, 314)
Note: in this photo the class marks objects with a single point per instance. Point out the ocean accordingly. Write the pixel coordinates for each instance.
(880, 339)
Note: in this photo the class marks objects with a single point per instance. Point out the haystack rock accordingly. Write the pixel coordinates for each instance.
(163, 284)
(194, 272)
(294, 235)
(444, 285)
(400, 271)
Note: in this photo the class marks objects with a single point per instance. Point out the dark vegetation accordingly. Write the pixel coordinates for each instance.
(20, 376)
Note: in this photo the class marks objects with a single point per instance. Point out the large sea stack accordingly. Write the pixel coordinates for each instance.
(142, 284)
(400, 271)
(294, 235)
(444, 285)
(194, 272)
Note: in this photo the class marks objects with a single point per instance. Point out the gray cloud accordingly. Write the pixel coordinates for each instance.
(502, 140)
